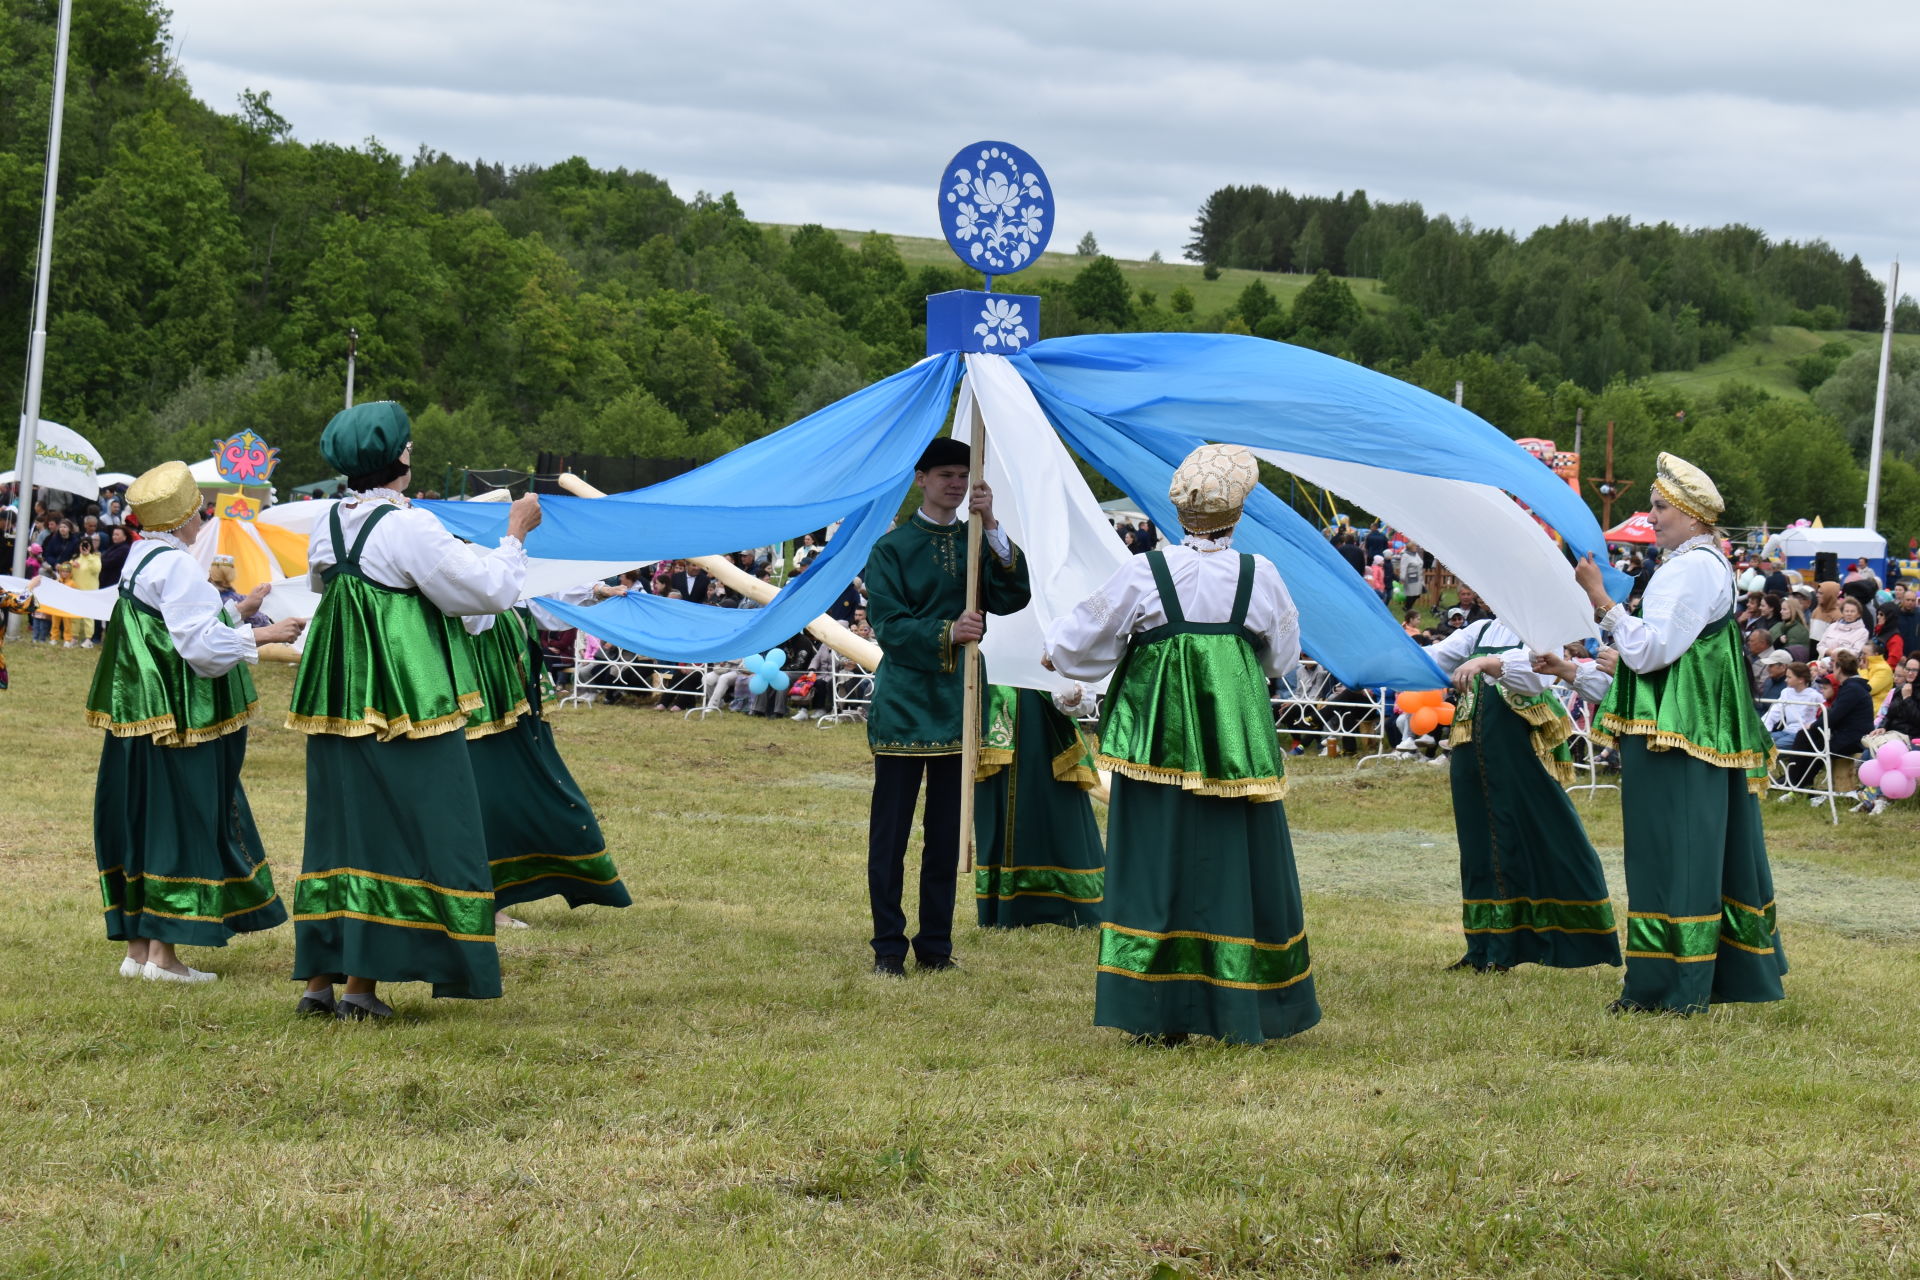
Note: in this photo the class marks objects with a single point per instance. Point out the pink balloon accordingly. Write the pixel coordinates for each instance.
(1911, 767)
(1891, 755)
(1873, 773)
(1896, 786)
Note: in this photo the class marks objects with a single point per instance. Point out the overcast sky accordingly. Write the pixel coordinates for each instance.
(1801, 120)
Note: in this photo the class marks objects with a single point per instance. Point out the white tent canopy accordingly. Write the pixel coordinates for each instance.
(1800, 545)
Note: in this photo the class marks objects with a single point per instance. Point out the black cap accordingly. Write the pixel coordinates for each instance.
(944, 452)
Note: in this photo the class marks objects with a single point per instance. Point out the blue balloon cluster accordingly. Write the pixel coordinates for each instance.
(764, 671)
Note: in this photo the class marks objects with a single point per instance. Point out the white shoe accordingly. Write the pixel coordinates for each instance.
(88, 644)
(154, 973)
(501, 920)
(799, 715)
(71, 644)
(1440, 762)
(1424, 740)
(131, 968)
(1816, 801)
(1783, 797)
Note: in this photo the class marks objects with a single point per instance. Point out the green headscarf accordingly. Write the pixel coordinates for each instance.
(366, 438)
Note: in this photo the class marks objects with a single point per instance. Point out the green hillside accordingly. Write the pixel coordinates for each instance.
(1764, 362)
(1161, 278)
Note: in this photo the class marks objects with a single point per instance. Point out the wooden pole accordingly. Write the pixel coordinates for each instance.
(970, 684)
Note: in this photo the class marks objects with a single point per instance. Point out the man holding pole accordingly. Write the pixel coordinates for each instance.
(917, 581)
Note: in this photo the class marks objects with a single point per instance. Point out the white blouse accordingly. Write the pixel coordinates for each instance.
(177, 586)
(1087, 644)
(1516, 663)
(1692, 587)
(411, 549)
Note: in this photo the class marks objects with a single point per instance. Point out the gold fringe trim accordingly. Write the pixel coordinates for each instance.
(1069, 765)
(504, 723)
(1546, 730)
(992, 761)
(374, 723)
(1256, 790)
(163, 732)
(1609, 727)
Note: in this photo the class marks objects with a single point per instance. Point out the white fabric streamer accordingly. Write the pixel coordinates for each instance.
(1046, 507)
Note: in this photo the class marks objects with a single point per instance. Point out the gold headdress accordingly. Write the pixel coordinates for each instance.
(165, 497)
(1688, 488)
(1211, 486)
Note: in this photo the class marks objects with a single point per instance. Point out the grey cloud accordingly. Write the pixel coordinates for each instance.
(1509, 114)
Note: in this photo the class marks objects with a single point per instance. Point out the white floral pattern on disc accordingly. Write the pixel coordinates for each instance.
(1002, 324)
(998, 216)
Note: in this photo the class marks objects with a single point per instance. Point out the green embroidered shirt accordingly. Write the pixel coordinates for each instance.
(916, 589)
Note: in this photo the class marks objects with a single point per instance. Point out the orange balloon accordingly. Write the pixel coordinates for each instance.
(1433, 698)
(1403, 703)
(1445, 712)
(1425, 720)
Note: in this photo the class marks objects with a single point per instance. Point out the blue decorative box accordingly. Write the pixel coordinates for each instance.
(1000, 324)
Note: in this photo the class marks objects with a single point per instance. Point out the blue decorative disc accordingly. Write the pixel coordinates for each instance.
(996, 208)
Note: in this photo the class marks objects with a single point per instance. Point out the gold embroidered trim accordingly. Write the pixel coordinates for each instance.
(1069, 766)
(1210, 937)
(555, 875)
(550, 857)
(1255, 790)
(162, 730)
(400, 924)
(1610, 726)
(374, 723)
(417, 884)
(992, 761)
(504, 723)
(1201, 977)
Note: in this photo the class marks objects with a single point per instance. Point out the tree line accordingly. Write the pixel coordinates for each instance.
(209, 265)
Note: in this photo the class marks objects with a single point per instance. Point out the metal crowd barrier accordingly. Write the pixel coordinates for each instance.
(1320, 708)
(612, 670)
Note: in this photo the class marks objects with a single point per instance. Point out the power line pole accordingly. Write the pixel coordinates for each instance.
(28, 442)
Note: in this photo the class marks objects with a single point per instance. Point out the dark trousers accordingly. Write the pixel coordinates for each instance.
(896, 786)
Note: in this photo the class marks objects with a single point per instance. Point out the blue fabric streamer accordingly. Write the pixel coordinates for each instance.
(1233, 389)
(1343, 625)
(852, 461)
(1132, 405)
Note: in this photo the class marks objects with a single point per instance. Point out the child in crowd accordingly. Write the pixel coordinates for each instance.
(85, 573)
(1797, 708)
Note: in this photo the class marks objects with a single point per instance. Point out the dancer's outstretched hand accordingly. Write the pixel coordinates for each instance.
(1586, 572)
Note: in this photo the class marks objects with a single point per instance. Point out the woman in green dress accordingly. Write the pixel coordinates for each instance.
(1037, 855)
(1693, 759)
(1202, 931)
(395, 885)
(179, 858)
(1531, 887)
(542, 838)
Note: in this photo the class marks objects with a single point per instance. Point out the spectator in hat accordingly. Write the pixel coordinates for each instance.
(1772, 682)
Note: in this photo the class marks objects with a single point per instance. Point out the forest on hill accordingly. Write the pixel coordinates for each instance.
(209, 265)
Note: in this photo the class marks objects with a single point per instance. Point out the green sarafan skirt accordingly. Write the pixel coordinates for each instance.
(1531, 887)
(1203, 930)
(1700, 914)
(179, 857)
(1037, 854)
(395, 885)
(542, 838)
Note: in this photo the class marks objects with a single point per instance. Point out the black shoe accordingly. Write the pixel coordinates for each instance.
(1171, 1040)
(1624, 1005)
(934, 966)
(890, 967)
(1464, 963)
(315, 1004)
(358, 1008)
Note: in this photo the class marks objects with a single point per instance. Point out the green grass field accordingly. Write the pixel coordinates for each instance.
(1161, 278)
(710, 1083)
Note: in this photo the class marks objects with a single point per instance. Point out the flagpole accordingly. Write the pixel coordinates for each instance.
(23, 455)
(970, 656)
(1880, 404)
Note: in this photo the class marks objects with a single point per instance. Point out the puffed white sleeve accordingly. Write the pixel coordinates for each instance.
(1517, 674)
(1449, 653)
(177, 586)
(1086, 644)
(1680, 601)
(1282, 620)
(460, 579)
(1591, 683)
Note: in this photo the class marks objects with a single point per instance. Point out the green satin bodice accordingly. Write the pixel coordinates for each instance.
(381, 660)
(1702, 705)
(507, 666)
(142, 686)
(1188, 703)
